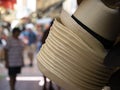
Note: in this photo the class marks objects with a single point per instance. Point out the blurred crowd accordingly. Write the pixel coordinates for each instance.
(31, 34)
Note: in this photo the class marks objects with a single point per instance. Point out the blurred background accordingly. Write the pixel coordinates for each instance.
(38, 14)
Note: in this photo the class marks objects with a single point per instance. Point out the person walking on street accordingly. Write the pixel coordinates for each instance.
(14, 56)
(28, 36)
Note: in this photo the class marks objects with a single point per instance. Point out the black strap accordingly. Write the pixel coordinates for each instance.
(106, 43)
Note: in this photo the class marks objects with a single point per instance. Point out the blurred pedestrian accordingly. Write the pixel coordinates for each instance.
(29, 38)
(14, 56)
(39, 33)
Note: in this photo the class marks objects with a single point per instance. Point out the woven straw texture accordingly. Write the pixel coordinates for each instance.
(73, 58)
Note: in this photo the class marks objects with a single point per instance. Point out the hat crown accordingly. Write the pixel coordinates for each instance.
(99, 18)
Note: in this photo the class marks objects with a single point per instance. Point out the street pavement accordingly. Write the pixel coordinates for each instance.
(29, 79)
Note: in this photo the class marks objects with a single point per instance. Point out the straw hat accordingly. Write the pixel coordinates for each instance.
(71, 56)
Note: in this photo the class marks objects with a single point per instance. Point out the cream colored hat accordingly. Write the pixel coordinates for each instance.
(71, 56)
